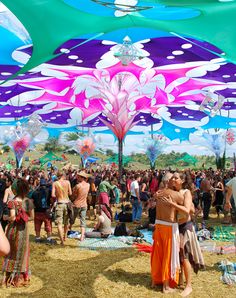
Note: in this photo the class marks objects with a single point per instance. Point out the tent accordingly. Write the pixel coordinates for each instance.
(92, 159)
(48, 157)
(114, 159)
(188, 159)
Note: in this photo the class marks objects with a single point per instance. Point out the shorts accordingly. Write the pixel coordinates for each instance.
(80, 213)
(62, 214)
(39, 219)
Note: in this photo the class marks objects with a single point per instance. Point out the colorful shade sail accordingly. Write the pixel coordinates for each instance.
(75, 79)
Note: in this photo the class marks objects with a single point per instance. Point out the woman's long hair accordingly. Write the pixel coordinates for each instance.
(188, 182)
(20, 187)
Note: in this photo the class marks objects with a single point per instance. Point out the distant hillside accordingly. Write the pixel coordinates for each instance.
(138, 161)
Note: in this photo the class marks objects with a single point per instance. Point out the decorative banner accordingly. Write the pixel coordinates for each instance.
(19, 147)
(20, 137)
(230, 136)
(34, 125)
(85, 147)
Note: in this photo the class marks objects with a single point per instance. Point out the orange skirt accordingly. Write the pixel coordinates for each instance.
(161, 256)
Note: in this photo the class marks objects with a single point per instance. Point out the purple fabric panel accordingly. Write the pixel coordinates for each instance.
(18, 111)
(57, 117)
(7, 93)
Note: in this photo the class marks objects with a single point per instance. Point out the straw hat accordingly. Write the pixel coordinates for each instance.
(83, 174)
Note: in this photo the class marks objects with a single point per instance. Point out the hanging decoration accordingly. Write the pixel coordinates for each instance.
(230, 136)
(127, 52)
(20, 137)
(212, 103)
(19, 147)
(154, 147)
(85, 147)
(34, 125)
(215, 143)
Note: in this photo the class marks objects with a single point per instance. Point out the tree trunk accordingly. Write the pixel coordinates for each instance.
(120, 156)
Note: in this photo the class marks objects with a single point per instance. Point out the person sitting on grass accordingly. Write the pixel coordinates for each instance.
(102, 228)
(150, 224)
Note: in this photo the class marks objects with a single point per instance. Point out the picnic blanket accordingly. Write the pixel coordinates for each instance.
(110, 243)
(209, 246)
(226, 249)
(222, 233)
(147, 236)
(228, 272)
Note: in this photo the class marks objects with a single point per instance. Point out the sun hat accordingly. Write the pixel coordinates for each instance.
(84, 174)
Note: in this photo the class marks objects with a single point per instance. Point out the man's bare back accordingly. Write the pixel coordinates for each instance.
(61, 190)
(165, 212)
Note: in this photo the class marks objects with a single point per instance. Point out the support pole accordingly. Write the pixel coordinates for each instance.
(120, 156)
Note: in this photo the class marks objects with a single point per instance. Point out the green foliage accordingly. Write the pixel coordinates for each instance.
(54, 146)
(220, 162)
(6, 148)
(110, 152)
(72, 136)
(171, 160)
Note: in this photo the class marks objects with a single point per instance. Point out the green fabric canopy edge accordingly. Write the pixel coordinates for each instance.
(50, 23)
(50, 156)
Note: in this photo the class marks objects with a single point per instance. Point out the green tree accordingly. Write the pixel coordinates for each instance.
(52, 145)
(110, 152)
(72, 136)
(6, 148)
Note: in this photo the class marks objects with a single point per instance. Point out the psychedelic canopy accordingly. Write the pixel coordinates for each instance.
(59, 60)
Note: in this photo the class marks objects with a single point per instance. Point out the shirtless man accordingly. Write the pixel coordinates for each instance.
(80, 193)
(165, 263)
(190, 252)
(61, 190)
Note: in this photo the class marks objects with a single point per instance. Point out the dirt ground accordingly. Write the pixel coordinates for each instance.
(71, 272)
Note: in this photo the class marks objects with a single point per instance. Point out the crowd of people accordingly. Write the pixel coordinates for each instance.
(171, 200)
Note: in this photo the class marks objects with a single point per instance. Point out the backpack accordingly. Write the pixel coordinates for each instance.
(40, 197)
(22, 217)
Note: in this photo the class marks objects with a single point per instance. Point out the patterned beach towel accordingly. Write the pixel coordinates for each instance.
(109, 243)
(222, 233)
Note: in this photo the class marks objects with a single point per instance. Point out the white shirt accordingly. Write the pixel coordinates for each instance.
(134, 185)
(232, 184)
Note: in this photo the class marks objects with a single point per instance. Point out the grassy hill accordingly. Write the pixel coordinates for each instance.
(138, 161)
